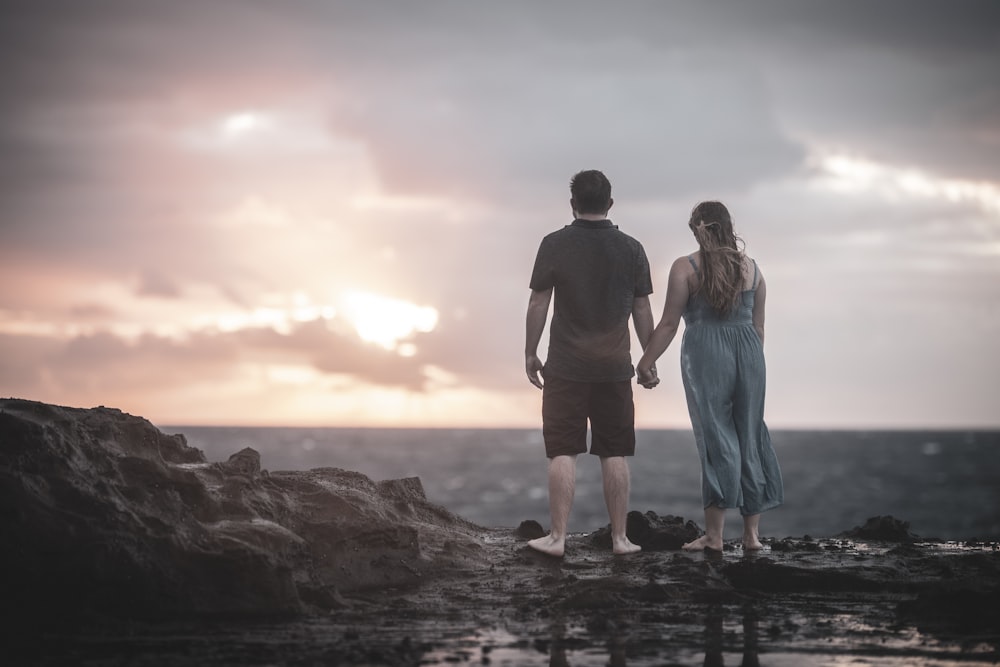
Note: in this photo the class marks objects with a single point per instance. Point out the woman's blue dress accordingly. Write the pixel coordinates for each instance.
(722, 365)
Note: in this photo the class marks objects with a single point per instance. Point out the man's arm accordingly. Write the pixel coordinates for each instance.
(538, 312)
(642, 319)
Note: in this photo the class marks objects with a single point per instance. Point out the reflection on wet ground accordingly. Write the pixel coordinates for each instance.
(804, 602)
(713, 635)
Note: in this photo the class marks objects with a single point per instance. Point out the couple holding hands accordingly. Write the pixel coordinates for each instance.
(598, 278)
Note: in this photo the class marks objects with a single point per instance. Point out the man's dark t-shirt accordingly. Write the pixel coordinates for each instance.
(596, 272)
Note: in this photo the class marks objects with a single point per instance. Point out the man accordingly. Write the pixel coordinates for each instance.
(599, 277)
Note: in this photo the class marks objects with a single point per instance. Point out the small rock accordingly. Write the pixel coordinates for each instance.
(244, 462)
(883, 528)
(529, 529)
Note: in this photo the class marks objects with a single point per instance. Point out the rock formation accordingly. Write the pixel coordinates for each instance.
(101, 510)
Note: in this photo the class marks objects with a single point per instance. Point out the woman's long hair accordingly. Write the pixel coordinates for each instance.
(721, 270)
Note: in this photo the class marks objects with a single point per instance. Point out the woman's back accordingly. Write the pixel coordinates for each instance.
(700, 311)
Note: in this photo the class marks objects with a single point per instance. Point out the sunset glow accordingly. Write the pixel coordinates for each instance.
(385, 322)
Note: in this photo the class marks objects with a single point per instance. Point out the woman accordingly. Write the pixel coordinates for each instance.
(720, 292)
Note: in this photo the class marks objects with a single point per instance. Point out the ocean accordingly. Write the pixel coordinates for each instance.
(946, 484)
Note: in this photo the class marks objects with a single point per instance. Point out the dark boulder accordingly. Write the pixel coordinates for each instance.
(882, 528)
(652, 532)
(101, 511)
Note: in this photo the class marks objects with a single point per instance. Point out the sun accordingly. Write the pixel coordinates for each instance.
(385, 321)
(243, 122)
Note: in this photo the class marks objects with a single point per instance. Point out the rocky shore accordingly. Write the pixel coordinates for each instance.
(120, 544)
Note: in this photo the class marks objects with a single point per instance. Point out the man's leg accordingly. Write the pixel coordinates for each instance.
(612, 423)
(562, 484)
(614, 470)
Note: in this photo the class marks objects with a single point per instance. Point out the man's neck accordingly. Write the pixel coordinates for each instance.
(592, 216)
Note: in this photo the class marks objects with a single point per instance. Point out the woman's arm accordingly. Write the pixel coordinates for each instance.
(673, 308)
(758, 308)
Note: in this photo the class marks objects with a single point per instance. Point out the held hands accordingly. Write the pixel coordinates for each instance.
(647, 377)
(533, 366)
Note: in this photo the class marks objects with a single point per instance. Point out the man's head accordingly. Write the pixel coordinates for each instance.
(590, 193)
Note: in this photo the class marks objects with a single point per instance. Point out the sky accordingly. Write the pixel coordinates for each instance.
(326, 213)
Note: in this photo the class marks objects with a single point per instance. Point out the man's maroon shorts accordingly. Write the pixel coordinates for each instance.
(568, 405)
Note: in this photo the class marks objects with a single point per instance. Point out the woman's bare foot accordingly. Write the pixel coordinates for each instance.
(549, 545)
(624, 547)
(703, 543)
(751, 536)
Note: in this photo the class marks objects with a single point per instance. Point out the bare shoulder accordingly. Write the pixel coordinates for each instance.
(753, 277)
(682, 265)
(682, 272)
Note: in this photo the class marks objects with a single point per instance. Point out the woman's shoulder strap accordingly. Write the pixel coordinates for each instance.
(693, 263)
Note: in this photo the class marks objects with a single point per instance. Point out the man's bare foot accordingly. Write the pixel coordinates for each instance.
(549, 545)
(752, 543)
(703, 543)
(624, 547)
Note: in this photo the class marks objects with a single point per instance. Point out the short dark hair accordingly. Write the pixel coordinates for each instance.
(591, 192)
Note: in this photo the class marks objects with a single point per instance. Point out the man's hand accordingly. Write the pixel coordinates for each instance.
(533, 366)
(647, 377)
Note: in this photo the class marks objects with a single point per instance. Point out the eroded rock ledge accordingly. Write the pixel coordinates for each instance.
(101, 509)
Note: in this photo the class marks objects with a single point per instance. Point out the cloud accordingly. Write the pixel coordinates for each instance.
(101, 362)
(155, 284)
(521, 112)
(905, 82)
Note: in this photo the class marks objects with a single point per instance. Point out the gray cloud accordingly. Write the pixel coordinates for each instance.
(333, 352)
(100, 362)
(471, 100)
(905, 82)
